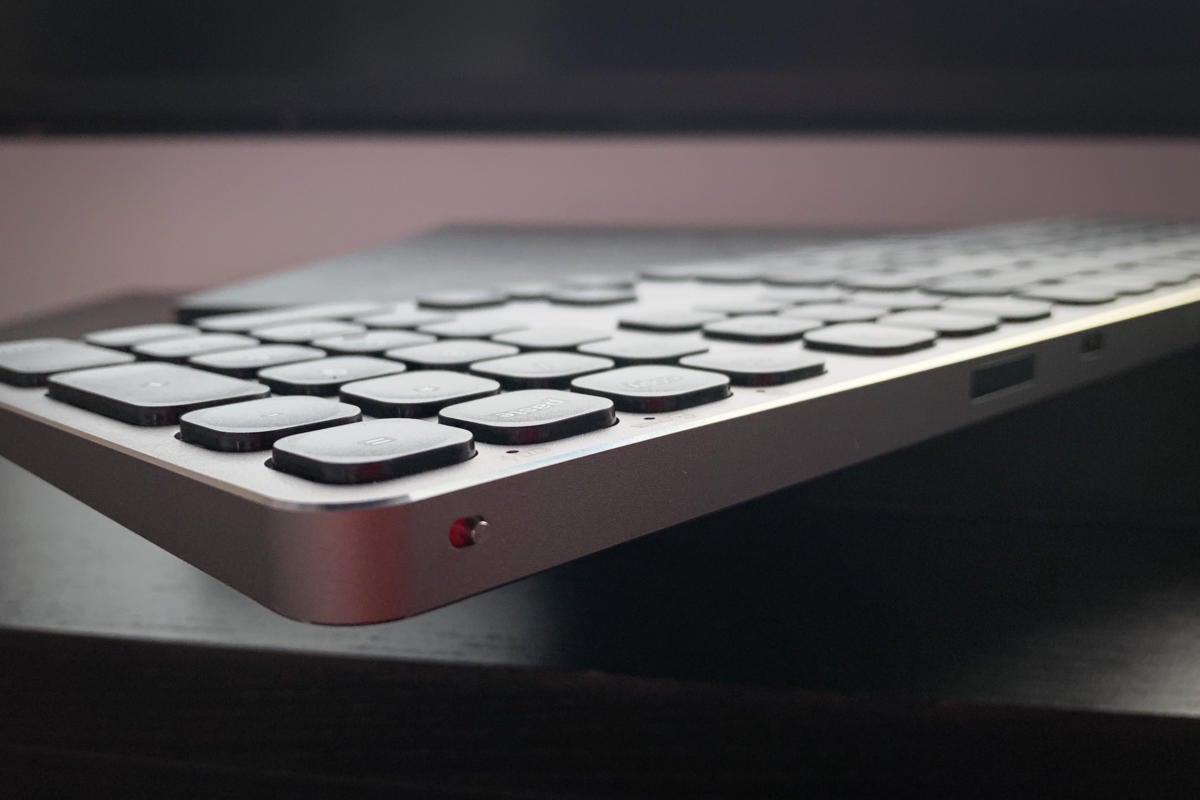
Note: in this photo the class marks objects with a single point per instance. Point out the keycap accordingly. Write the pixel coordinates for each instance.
(803, 276)
(668, 320)
(654, 388)
(149, 392)
(325, 376)
(600, 280)
(178, 351)
(305, 332)
(945, 323)
(1071, 293)
(835, 312)
(556, 338)
(1122, 282)
(375, 450)
(245, 321)
(763, 368)
(420, 393)
(628, 351)
(246, 363)
(591, 297)
(529, 290)
(541, 370)
(804, 294)
(471, 328)
(987, 286)
(30, 362)
(372, 342)
(463, 299)
(669, 272)
(879, 281)
(896, 301)
(736, 308)
(761, 328)
(866, 338)
(257, 424)
(125, 338)
(454, 354)
(404, 319)
(727, 273)
(530, 416)
(1009, 309)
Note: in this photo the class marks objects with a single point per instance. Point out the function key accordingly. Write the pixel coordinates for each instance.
(551, 338)
(766, 367)
(655, 388)
(245, 321)
(404, 319)
(897, 301)
(530, 416)
(463, 299)
(178, 351)
(471, 328)
(804, 294)
(946, 323)
(762, 328)
(376, 450)
(371, 342)
(30, 362)
(149, 392)
(325, 376)
(456, 354)
(1009, 309)
(647, 350)
(421, 393)
(596, 296)
(739, 307)
(246, 363)
(1071, 293)
(865, 338)
(836, 312)
(257, 424)
(668, 321)
(125, 338)
(305, 332)
(541, 370)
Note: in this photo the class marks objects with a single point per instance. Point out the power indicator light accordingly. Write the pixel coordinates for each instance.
(465, 531)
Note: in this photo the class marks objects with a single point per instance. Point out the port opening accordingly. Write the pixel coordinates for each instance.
(988, 380)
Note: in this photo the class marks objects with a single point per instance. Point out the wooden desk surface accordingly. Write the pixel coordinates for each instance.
(1010, 605)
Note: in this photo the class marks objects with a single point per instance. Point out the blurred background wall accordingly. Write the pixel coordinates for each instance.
(84, 218)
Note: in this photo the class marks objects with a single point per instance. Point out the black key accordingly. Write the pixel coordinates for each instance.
(601, 280)
(149, 392)
(879, 281)
(248, 320)
(541, 370)
(461, 299)
(471, 328)
(258, 424)
(178, 351)
(804, 294)
(376, 450)
(736, 308)
(372, 342)
(945, 323)
(404, 319)
(325, 376)
(865, 338)
(762, 328)
(456, 354)
(421, 393)
(1074, 294)
(727, 273)
(30, 362)
(530, 416)
(591, 297)
(551, 338)
(1009, 309)
(668, 321)
(649, 350)
(836, 312)
(305, 332)
(897, 301)
(246, 363)
(655, 388)
(803, 276)
(762, 368)
(125, 338)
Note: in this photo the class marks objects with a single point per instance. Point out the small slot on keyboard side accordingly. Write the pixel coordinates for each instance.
(986, 381)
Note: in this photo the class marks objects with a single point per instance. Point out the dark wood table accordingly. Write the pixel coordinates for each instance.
(1008, 608)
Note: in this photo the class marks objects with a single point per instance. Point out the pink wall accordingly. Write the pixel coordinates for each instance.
(85, 218)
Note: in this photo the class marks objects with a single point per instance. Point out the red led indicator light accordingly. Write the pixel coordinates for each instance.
(465, 531)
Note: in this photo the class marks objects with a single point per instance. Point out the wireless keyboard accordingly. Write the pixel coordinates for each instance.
(426, 433)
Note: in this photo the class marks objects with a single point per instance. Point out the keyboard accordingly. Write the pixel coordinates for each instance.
(419, 435)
